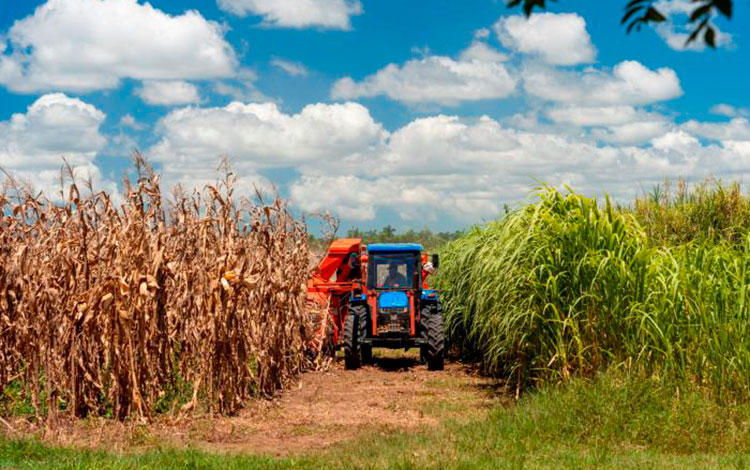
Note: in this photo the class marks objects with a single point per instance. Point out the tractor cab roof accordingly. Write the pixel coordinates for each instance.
(394, 248)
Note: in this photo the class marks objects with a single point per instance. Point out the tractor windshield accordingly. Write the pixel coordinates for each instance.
(392, 271)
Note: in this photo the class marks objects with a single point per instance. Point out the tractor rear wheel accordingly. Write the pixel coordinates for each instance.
(360, 310)
(435, 349)
(352, 354)
(424, 314)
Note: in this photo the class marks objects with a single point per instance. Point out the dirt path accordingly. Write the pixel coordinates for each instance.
(322, 409)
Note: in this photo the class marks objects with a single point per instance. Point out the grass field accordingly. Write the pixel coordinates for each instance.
(610, 422)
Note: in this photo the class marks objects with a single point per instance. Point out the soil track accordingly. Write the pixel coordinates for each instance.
(320, 410)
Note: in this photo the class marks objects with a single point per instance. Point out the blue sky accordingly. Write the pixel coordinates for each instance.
(418, 114)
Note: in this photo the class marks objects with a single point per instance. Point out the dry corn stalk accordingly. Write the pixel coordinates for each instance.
(108, 309)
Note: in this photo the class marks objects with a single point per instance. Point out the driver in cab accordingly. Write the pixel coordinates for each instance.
(395, 278)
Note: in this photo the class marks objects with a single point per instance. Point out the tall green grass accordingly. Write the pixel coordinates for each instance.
(570, 287)
(676, 213)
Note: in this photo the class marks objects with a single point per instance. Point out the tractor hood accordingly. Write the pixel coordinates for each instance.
(394, 299)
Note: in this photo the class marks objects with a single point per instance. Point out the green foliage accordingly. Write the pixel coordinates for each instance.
(15, 400)
(640, 13)
(566, 287)
(710, 211)
(430, 240)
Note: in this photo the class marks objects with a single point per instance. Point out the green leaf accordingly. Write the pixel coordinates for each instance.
(654, 15)
(633, 3)
(710, 37)
(634, 24)
(724, 7)
(700, 12)
(696, 31)
(630, 13)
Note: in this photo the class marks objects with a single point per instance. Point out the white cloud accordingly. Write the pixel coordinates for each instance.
(242, 87)
(33, 144)
(723, 109)
(481, 51)
(294, 69)
(168, 93)
(633, 133)
(736, 129)
(467, 169)
(358, 205)
(325, 14)
(585, 116)
(259, 136)
(558, 39)
(614, 124)
(446, 145)
(130, 121)
(676, 30)
(483, 33)
(444, 166)
(435, 79)
(629, 83)
(84, 45)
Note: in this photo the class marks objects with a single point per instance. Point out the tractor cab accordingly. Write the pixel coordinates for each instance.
(394, 267)
(393, 279)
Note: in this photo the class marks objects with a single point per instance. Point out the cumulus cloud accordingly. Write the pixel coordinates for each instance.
(468, 168)
(443, 165)
(633, 133)
(724, 109)
(558, 39)
(85, 45)
(478, 74)
(324, 14)
(481, 51)
(129, 121)
(593, 115)
(33, 144)
(613, 124)
(259, 136)
(628, 83)
(168, 92)
(736, 129)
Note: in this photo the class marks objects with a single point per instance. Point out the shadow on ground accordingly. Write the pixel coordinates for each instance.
(396, 364)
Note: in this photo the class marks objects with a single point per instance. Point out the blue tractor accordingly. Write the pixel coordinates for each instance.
(393, 306)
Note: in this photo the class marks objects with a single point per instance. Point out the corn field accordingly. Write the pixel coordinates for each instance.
(129, 309)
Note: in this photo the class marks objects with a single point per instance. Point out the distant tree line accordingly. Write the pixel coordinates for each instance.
(427, 238)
